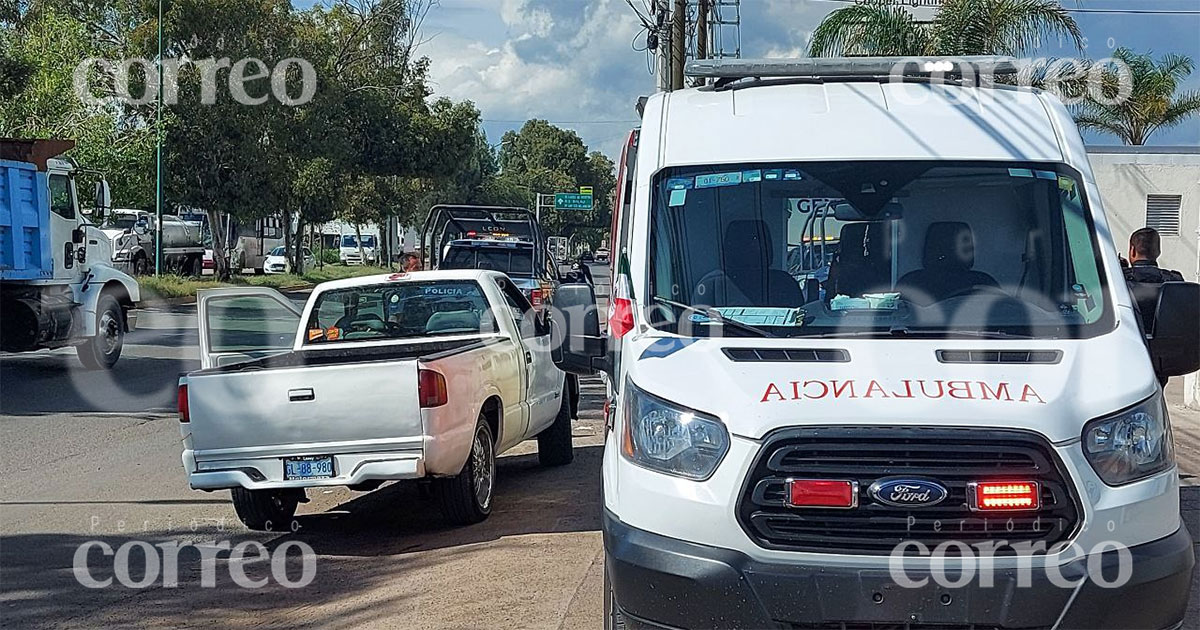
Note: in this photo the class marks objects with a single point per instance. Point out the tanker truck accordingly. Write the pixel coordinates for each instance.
(58, 287)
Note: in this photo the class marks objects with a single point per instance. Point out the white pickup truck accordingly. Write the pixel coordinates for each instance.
(425, 375)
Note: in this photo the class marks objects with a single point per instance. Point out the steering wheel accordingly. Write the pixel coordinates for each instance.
(978, 288)
(368, 322)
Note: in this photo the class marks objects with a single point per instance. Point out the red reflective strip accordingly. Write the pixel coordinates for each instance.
(821, 493)
(1001, 496)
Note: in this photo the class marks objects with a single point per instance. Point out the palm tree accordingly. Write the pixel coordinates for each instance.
(1151, 104)
(961, 27)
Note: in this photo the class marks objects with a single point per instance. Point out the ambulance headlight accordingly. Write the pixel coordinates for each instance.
(670, 438)
(1132, 444)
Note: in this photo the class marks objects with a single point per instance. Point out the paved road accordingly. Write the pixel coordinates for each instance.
(69, 475)
(93, 456)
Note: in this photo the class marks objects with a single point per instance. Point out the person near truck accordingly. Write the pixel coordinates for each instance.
(1145, 246)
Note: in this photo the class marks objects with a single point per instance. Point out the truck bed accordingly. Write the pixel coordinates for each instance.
(325, 401)
(24, 223)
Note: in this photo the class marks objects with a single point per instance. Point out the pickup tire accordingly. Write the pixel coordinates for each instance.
(466, 498)
(265, 510)
(103, 350)
(554, 442)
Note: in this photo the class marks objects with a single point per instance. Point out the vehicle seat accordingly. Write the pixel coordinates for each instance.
(864, 263)
(748, 277)
(948, 257)
(452, 320)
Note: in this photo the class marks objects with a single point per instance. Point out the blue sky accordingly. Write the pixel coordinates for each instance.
(573, 61)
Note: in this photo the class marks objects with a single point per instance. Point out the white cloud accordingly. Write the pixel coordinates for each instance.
(569, 61)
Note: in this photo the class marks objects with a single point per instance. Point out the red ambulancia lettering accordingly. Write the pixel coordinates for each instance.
(814, 389)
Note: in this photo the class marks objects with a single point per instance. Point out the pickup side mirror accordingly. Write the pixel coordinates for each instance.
(575, 341)
(1175, 341)
(103, 200)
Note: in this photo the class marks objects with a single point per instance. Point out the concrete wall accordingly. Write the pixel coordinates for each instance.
(1126, 175)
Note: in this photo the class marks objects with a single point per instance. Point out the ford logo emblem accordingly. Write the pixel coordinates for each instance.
(908, 493)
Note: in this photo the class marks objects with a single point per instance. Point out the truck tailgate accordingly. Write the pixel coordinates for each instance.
(337, 408)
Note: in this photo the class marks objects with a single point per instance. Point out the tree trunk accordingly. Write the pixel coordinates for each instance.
(217, 227)
(298, 264)
(286, 217)
(362, 256)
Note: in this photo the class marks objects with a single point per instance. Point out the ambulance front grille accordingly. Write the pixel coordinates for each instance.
(951, 457)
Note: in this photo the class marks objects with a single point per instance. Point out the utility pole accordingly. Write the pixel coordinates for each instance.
(702, 9)
(158, 135)
(660, 41)
(678, 43)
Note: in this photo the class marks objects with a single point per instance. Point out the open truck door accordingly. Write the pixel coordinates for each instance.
(243, 324)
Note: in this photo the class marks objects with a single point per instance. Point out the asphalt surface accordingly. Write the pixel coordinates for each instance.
(94, 456)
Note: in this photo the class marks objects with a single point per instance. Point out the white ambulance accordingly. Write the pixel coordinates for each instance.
(873, 363)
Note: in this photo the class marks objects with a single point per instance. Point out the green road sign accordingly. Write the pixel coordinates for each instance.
(572, 201)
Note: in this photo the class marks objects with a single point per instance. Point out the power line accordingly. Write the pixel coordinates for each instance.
(564, 122)
(1081, 10)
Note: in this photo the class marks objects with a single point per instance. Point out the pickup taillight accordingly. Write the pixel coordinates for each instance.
(535, 297)
(431, 388)
(183, 405)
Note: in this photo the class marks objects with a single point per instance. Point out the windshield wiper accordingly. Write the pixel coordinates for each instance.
(940, 333)
(716, 315)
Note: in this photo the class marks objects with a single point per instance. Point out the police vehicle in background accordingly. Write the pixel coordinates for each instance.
(508, 240)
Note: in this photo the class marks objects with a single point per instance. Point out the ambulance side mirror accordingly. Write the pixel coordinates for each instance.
(576, 344)
(1175, 340)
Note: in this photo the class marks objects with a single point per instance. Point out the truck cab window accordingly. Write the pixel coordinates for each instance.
(61, 201)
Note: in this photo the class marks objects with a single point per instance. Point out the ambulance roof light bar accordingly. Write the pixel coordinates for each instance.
(831, 67)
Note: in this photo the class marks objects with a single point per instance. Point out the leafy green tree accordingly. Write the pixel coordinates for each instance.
(1149, 101)
(38, 56)
(544, 158)
(960, 27)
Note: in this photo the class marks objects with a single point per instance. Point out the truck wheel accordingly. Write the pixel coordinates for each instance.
(141, 265)
(554, 442)
(103, 350)
(265, 510)
(613, 620)
(466, 498)
(195, 266)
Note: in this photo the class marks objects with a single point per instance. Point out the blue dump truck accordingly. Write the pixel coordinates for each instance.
(57, 284)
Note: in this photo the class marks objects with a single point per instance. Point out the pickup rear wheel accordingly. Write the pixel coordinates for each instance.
(266, 510)
(554, 442)
(466, 498)
(103, 350)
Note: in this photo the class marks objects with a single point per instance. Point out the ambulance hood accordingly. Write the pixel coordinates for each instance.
(1053, 387)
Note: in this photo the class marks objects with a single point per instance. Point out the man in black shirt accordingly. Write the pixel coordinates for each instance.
(1145, 246)
(1143, 276)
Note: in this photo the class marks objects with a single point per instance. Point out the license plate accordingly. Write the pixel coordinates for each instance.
(311, 467)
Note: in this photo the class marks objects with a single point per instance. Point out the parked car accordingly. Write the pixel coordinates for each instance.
(278, 260)
(426, 375)
(961, 426)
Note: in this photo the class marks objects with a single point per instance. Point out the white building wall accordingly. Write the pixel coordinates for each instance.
(1126, 175)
